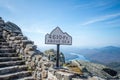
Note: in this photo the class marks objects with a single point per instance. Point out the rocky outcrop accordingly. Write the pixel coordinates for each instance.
(93, 69)
(51, 54)
(11, 65)
(23, 49)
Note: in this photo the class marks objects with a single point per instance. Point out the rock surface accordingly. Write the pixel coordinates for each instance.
(51, 54)
(93, 69)
(11, 66)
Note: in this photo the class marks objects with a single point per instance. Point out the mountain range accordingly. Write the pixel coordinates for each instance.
(103, 55)
(109, 56)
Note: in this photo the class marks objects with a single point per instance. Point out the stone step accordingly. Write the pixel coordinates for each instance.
(6, 50)
(5, 47)
(4, 43)
(1, 36)
(12, 69)
(4, 59)
(2, 40)
(8, 55)
(15, 76)
(26, 78)
(11, 63)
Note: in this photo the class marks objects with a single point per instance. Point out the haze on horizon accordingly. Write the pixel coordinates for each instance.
(91, 23)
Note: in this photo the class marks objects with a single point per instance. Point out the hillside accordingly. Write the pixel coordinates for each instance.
(93, 69)
(103, 55)
(115, 66)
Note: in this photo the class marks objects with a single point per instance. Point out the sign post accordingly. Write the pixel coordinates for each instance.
(58, 37)
(57, 57)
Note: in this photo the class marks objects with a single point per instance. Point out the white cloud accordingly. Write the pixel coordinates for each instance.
(114, 21)
(95, 4)
(102, 18)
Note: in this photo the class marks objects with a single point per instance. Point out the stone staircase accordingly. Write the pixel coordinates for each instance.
(12, 67)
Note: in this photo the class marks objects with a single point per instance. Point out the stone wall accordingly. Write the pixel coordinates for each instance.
(25, 49)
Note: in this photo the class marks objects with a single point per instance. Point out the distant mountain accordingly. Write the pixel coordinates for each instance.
(103, 55)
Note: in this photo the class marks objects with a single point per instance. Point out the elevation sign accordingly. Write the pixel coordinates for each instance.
(57, 36)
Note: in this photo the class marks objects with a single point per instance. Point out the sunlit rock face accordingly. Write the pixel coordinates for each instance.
(17, 53)
(94, 69)
(51, 54)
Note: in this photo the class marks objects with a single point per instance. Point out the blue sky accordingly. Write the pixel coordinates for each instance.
(91, 23)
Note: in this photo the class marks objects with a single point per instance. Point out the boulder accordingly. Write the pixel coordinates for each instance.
(98, 70)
